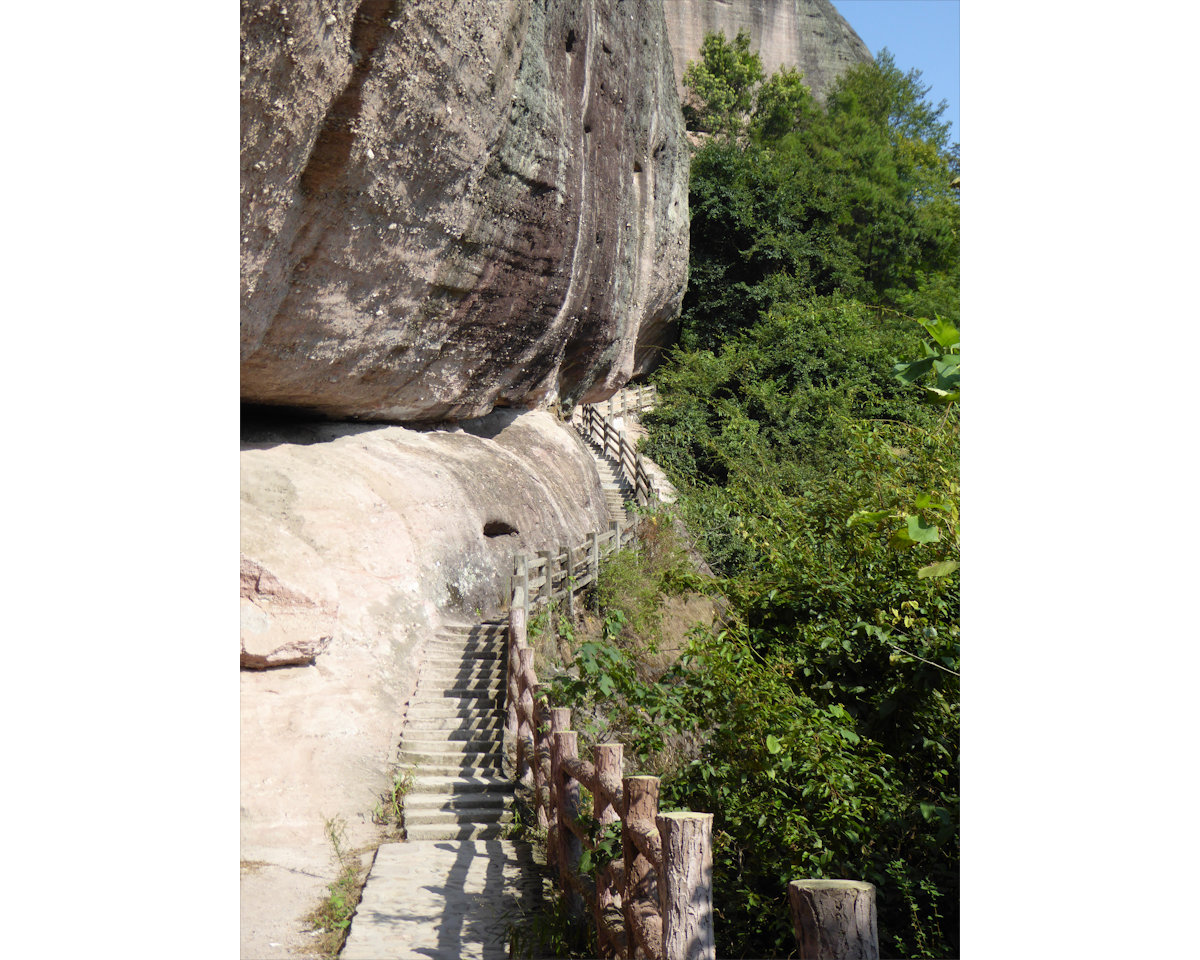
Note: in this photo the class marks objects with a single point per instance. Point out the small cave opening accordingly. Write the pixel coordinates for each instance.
(498, 528)
(637, 167)
(570, 40)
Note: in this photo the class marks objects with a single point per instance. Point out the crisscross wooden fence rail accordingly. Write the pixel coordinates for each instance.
(656, 901)
(655, 898)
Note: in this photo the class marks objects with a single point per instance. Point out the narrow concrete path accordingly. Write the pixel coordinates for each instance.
(442, 899)
(452, 888)
(617, 490)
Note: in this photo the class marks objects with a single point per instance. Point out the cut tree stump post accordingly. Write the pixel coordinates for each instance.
(685, 893)
(834, 919)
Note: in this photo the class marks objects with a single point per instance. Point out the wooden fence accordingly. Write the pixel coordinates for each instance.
(597, 426)
(655, 898)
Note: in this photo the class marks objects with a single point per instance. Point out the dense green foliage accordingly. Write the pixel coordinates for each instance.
(790, 200)
(809, 420)
(822, 485)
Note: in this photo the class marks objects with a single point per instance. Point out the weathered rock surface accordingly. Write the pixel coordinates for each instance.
(371, 535)
(452, 206)
(807, 34)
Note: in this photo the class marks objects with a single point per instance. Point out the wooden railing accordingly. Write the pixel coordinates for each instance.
(655, 899)
(595, 423)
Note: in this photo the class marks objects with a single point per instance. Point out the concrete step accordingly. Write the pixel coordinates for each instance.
(455, 728)
(478, 689)
(456, 818)
(429, 745)
(462, 678)
(456, 648)
(436, 705)
(465, 694)
(479, 802)
(450, 653)
(456, 663)
(426, 768)
(475, 636)
(451, 831)
(485, 762)
(443, 784)
(440, 708)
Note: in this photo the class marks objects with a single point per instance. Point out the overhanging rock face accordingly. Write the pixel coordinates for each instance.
(456, 205)
(807, 34)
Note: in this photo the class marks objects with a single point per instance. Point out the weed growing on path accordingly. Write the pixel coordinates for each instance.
(389, 812)
(331, 918)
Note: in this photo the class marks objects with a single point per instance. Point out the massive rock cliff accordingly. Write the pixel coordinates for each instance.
(456, 205)
(807, 34)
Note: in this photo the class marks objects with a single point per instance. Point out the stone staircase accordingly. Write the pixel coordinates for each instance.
(452, 888)
(453, 738)
(617, 490)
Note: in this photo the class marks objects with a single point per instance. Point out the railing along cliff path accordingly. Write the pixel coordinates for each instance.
(655, 899)
(596, 424)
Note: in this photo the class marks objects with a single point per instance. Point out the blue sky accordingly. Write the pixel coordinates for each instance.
(919, 33)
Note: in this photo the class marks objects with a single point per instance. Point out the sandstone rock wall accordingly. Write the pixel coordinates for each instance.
(371, 535)
(455, 205)
(807, 34)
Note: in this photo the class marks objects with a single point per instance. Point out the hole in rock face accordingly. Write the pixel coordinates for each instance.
(570, 40)
(637, 167)
(498, 528)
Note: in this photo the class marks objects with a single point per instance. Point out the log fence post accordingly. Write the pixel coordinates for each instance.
(685, 886)
(609, 759)
(525, 730)
(541, 797)
(560, 719)
(566, 746)
(570, 576)
(512, 720)
(547, 558)
(641, 804)
(834, 919)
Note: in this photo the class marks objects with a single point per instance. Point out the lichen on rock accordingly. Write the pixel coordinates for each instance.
(455, 206)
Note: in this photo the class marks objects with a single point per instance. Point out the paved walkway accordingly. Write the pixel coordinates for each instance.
(442, 899)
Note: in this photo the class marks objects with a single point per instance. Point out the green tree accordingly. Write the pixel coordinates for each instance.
(722, 83)
(791, 200)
